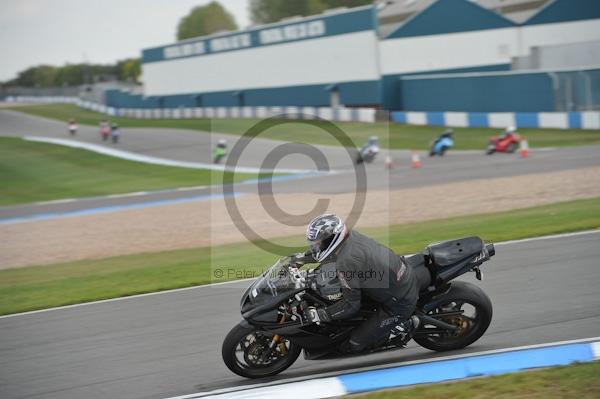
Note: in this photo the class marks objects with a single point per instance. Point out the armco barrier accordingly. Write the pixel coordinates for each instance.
(555, 120)
(423, 372)
(341, 114)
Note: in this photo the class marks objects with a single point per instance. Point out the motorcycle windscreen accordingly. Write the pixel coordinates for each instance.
(272, 283)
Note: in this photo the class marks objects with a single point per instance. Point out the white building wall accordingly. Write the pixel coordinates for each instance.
(559, 33)
(332, 59)
(478, 48)
(448, 51)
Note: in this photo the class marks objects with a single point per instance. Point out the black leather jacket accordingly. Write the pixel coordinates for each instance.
(367, 267)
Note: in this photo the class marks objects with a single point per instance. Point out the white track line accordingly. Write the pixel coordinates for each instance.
(132, 156)
(549, 237)
(58, 201)
(540, 238)
(122, 298)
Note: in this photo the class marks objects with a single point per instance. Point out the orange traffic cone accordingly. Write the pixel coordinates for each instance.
(415, 160)
(389, 162)
(523, 148)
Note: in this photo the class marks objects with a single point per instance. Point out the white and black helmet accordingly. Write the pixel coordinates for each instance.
(324, 234)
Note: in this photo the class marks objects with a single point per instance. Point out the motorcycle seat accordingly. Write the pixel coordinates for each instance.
(417, 263)
(448, 253)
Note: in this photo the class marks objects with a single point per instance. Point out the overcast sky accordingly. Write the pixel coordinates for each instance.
(55, 32)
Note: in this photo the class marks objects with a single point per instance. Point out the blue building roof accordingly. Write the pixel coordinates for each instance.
(566, 10)
(450, 16)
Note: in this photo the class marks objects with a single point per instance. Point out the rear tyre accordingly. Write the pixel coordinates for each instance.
(473, 322)
(244, 351)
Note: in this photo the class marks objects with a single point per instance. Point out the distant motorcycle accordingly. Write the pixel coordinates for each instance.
(220, 151)
(115, 133)
(275, 328)
(508, 142)
(72, 127)
(442, 144)
(104, 130)
(369, 151)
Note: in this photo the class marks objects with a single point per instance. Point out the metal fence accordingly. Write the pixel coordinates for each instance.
(576, 90)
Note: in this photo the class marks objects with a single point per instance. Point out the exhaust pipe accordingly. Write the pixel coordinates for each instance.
(491, 249)
(435, 322)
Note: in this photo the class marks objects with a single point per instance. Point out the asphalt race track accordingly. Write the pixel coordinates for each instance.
(196, 147)
(169, 344)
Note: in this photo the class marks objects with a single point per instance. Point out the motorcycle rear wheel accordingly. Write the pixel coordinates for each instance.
(244, 346)
(473, 322)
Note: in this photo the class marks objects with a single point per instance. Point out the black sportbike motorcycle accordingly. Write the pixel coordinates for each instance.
(275, 329)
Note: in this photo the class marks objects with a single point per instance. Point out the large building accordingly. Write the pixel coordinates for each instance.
(422, 55)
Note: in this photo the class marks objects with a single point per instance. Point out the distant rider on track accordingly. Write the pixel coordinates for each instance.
(220, 150)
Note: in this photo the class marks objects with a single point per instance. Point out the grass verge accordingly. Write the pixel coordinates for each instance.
(392, 135)
(31, 171)
(39, 287)
(574, 381)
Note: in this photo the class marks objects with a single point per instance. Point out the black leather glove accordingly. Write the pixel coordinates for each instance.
(317, 315)
(301, 258)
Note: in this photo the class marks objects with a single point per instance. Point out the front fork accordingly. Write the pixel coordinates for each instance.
(274, 341)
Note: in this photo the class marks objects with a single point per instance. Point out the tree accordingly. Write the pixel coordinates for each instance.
(77, 74)
(129, 70)
(204, 20)
(267, 11)
(38, 76)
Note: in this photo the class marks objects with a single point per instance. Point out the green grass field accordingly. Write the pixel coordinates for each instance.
(39, 287)
(392, 135)
(579, 381)
(31, 171)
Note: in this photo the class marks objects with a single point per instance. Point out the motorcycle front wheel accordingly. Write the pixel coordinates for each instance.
(468, 308)
(247, 352)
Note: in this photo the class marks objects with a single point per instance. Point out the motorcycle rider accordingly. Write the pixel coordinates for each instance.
(368, 151)
(72, 127)
(448, 133)
(220, 150)
(445, 140)
(364, 267)
(508, 131)
(373, 141)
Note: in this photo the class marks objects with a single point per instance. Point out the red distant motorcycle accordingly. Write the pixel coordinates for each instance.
(508, 142)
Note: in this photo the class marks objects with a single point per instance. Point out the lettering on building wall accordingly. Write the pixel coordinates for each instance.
(292, 32)
(183, 50)
(230, 42)
(303, 30)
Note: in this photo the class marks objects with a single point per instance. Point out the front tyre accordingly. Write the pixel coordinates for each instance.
(472, 313)
(246, 352)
